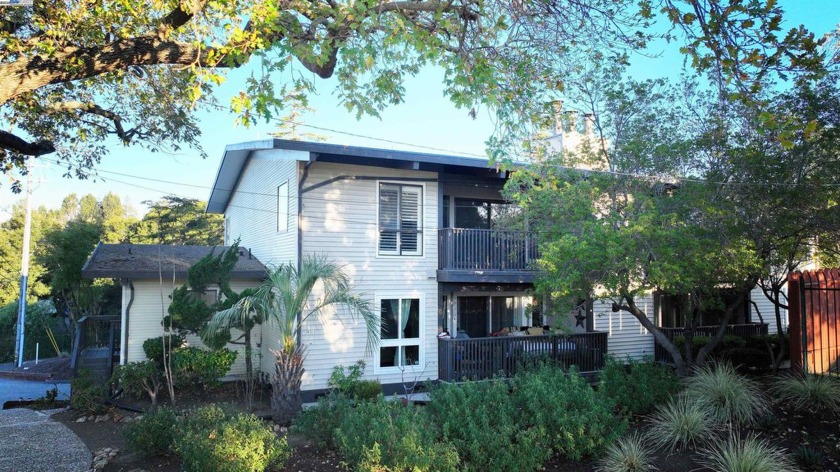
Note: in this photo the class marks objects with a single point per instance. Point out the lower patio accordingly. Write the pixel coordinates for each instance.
(482, 358)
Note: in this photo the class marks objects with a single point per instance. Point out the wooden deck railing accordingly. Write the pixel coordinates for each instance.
(482, 358)
(485, 249)
(746, 331)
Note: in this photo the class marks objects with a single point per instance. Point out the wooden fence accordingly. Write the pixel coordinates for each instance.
(814, 316)
(482, 358)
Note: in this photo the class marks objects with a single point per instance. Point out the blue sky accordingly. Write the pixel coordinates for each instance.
(426, 118)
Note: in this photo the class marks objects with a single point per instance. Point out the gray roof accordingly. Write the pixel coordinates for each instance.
(147, 261)
(236, 157)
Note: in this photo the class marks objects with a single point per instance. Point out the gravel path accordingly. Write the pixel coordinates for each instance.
(32, 442)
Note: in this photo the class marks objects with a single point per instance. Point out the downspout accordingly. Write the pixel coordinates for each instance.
(312, 159)
(124, 341)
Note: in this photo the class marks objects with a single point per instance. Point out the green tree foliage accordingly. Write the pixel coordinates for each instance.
(681, 191)
(11, 248)
(72, 75)
(179, 221)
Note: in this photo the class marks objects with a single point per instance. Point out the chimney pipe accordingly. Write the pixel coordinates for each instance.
(589, 124)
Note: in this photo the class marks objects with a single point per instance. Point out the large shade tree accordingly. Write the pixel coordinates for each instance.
(680, 191)
(74, 73)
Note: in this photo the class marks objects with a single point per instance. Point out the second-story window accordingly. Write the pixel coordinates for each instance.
(400, 219)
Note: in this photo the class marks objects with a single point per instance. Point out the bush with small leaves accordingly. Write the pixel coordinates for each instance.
(749, 455)
(87, 394)
(627, 454)
(638, 387)
(808, 392)
(680, 423)
(386, 435)
(139, 378)
(154, 432)
(211, 440)
(574, 419)
(200, 369)
(348, 381)
(153, 347)
(319, 423)
(732, 398)
(484, 424)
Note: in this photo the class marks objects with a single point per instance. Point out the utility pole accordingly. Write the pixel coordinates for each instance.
(24, 267)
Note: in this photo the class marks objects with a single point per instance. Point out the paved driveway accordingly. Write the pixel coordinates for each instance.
(12, 389)
(32, 442)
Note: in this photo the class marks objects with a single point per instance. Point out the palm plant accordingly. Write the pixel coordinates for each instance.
(288, 297)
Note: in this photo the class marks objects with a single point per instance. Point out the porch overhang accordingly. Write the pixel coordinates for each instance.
(486, 276)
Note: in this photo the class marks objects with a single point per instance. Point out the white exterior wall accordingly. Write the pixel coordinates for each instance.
(252, 214)
(627, 337)
(148, 309)
(767, 310)
(340, 220)
(252, 210)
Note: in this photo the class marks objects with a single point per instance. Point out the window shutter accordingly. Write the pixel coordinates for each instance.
(409, 220)
(388, 217)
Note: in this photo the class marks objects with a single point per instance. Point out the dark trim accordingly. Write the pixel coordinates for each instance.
(363, 177)
(311, 396)
(486, 276)
(148, 274)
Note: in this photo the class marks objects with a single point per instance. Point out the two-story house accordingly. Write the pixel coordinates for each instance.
(428, 239)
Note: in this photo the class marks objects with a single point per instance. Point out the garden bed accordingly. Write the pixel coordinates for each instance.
(786, 429)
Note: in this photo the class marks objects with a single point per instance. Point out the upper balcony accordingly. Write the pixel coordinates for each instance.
(486, 256)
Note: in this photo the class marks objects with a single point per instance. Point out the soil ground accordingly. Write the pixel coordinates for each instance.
(790, 430)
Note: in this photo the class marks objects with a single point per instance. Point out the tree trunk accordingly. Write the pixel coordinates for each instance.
(285, 385)
(663, 340)
(727, 317)
(249, 371)
(777, 305)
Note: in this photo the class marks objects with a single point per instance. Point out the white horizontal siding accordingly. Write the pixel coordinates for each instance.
(151, 303)
(252, 211)
(767, 310)
(626, 336)
(340, 220)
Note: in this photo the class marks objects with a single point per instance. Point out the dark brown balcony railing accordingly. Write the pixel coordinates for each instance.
(745, 330)
(483, 358)
(486, 249)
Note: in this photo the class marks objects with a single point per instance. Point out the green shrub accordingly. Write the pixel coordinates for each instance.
(348, 381)
(808, 392)
(210, 440)
(808, 458)
(680, 423)
(484, 424)
(627, 454)
(750, 455)
(153, 347)
(87, 394)
(733, 398)
(139, 378)
(638, 387)
(574, 419)
(729, 341)
(386, 435)
(319, 423)
(154, 432)
(195, 368)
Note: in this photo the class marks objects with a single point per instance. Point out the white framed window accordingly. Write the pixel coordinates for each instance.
(283, 207)
(209, 296)
(400, 219)
(401, 339)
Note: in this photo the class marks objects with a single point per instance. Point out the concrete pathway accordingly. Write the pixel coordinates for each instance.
(32, 442)
(13, 389)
